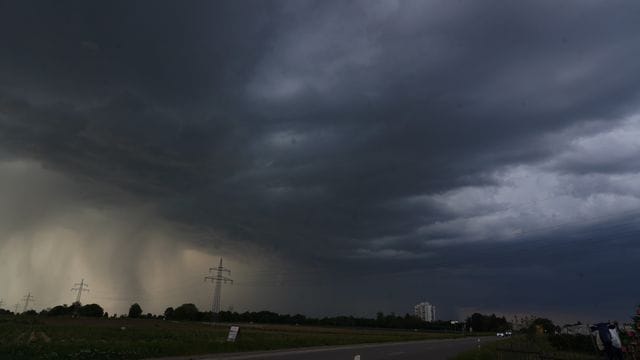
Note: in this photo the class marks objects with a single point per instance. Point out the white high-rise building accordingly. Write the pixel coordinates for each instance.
(425, 311)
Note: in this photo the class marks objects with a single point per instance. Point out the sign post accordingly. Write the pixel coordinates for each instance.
(233, 333)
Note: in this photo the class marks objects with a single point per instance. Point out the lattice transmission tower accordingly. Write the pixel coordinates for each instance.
(79, 288)
(216, 276)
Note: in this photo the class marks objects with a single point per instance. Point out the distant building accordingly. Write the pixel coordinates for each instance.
(425, 311)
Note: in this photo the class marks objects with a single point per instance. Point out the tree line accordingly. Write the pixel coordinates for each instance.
(189, 312)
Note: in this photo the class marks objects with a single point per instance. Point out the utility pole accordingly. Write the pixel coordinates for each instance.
(1, 303)
(27, 299)
(217, 279)
(81, 286)
(17, 306)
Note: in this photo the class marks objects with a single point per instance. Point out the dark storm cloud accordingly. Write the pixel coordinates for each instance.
(113, 141)
(341, 133)
(170, 52)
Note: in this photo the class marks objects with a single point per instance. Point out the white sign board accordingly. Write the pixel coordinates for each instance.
(233, 333)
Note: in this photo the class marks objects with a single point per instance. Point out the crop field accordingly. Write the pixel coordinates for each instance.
(32, 337)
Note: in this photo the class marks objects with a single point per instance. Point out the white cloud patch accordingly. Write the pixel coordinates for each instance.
(534, 197)
(615, 150)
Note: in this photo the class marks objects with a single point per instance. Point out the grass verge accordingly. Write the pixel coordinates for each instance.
(522, 347)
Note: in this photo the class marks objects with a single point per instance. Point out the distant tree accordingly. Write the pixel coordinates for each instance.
(168, 313)
(135, 311)
(186, 312)
(30, 312)
(105, 315)
(60, 310)
(91, 310)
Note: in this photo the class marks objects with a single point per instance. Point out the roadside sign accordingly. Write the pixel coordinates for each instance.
(233, 333)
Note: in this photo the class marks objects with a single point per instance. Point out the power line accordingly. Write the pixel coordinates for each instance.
(218, 279)
(81, 286)
(27, 299)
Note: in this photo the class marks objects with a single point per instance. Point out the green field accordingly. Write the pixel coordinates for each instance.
(524, 347)
(34, 337)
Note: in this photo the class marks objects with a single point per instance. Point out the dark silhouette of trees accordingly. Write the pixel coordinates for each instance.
(187, 312)
(61, 310)
(91, 310)
(168, 313)
(135, 311)
(478, 322)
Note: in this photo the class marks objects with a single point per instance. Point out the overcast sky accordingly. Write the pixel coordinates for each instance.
(343, 157)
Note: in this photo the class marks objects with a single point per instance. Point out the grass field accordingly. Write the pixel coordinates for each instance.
(25, 337)
(523, 347)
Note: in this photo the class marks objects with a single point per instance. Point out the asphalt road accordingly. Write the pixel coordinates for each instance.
(416, 350)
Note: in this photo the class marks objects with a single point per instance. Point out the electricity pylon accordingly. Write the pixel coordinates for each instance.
(81, 286)
(218, 279)
(27, 299)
